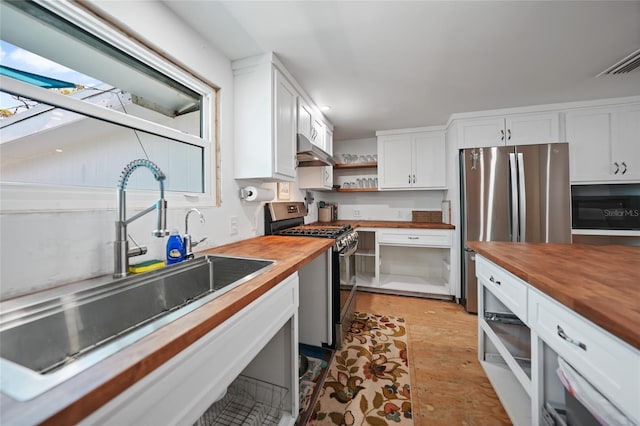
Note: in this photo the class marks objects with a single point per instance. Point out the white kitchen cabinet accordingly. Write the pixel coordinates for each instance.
(318, 132)
(603, 144)
(305, 121)
(328, 140)
(405, 261)
(184, 387)
(504, 339)
(600, 358)
(515, 129)
(320, 177)
(264, 121)
(522, 333)
(411, 159)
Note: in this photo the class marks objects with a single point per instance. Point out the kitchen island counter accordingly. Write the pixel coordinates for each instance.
(81, 395)
(601, 283)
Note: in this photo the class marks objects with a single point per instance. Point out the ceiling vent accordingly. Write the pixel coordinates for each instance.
(626, 65)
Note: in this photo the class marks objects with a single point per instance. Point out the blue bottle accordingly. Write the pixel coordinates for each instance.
(175, 248)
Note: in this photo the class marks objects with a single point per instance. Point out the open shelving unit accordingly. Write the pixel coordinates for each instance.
(355, 169)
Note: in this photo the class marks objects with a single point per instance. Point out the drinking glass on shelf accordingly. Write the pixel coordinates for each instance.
(369, 158)
(375, 182)
(370, 183)
(346, 185)
(362, 159)
(345, 158)
(375, 157)
(359, 182)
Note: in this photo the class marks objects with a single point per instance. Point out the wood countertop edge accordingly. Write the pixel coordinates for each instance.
(388, 224)
(613, 322)
(80, 396)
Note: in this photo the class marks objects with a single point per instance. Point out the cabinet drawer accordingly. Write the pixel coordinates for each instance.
(412, 237)
(511, 290)
(609, 364)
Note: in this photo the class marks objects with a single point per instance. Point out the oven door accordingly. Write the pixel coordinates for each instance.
(347, 291)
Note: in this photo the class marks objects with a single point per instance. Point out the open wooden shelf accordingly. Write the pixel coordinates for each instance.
(355, 165)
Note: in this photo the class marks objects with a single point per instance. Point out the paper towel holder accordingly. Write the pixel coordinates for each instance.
(244, 193)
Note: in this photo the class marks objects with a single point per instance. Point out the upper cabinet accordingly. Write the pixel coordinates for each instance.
(412, 159)
(264, 120)
(311, 124)
(604, 144)
(516, 129)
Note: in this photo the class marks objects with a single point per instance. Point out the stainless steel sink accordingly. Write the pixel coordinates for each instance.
(45, 341)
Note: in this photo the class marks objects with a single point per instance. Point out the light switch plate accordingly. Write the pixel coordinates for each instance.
(233, 225)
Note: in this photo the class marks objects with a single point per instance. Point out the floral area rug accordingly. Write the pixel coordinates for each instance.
(368, 380)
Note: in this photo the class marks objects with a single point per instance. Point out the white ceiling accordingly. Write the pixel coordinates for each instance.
(395, 64)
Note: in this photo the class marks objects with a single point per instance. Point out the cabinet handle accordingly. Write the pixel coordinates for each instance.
(414, 178)
(409, 181)
(617, 168)
(414, 238)
(625, 167)
(493, 280)
(501, 134)
(509, 134)
(564, 336)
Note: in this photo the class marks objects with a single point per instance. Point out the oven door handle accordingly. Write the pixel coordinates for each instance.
(349, 251)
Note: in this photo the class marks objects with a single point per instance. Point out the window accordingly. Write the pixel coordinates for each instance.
(79, 101)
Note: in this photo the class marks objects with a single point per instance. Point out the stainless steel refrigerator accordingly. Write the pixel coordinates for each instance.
(512, 193)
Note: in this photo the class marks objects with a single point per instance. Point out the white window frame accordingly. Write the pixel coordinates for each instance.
(19, 197)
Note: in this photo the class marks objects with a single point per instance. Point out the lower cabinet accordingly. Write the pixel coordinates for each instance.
(254, 351)
(404, 261)
(531, 346)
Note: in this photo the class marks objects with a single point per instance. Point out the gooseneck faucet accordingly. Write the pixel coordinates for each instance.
(121, 251)
(188, 243)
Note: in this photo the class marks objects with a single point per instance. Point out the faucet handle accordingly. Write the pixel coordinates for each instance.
(198, 242)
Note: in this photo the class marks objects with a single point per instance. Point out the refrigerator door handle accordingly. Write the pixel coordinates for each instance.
(523, 198)
(514, 197)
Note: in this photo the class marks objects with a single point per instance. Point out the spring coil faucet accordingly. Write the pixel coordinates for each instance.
(121, 244)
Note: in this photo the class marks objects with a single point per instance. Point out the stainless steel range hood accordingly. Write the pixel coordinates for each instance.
(310, 155)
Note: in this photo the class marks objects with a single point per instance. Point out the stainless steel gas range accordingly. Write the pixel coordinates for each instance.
(287, 218)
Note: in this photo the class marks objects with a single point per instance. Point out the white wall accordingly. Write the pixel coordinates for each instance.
(40, 250)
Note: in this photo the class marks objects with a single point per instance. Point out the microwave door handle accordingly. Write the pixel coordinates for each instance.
(523, 198)
(514, 198)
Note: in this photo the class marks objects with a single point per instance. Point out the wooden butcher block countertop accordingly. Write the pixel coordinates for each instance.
(388, 224)
(601, 283)
(81, 395)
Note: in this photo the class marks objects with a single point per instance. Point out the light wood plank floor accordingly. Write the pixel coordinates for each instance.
(448, 385)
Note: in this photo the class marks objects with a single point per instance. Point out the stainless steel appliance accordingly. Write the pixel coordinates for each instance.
(512, 193)
(606, 207)
(287, 218)
(606, 214)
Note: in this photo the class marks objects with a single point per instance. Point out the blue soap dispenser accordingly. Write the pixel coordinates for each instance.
(175, 248)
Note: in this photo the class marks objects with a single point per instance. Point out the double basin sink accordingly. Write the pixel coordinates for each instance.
(49, 340)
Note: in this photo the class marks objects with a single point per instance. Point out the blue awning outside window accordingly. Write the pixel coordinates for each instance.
(34, 79)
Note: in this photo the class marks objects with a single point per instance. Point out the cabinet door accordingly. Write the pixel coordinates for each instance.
(304, 118)
(589, 136)
(285, 127)
(529, 129)
(317, 132)
(481, 132)
(394, 161)
(429, 158)
(328, 140)
(625, 149)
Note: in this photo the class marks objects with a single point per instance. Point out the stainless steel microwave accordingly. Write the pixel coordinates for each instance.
(606, 212)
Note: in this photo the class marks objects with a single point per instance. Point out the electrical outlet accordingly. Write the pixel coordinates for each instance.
(356, 213)
(233, 225)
